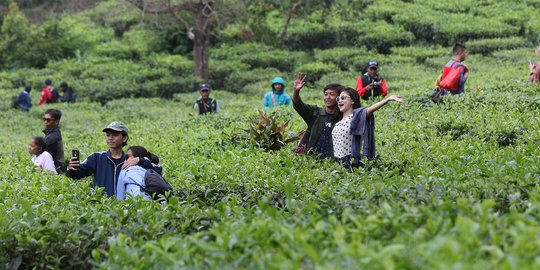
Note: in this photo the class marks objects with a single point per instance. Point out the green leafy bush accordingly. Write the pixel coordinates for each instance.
(486, 46)
(311, 35)
(382, 36)
(314, 71)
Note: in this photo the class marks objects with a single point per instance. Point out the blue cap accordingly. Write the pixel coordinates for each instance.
(204, 86)
(373, 63)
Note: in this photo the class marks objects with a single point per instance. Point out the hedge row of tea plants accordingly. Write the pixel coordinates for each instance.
(451, 187)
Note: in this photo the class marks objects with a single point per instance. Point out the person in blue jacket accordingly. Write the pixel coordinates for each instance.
(106, 166)
(131, 180)
(277, 96)
(24, 100)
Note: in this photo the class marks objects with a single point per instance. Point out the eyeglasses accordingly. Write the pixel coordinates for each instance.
(341, 98)
(48, 119)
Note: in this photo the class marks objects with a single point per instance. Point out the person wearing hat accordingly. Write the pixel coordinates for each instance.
(106, 166)
(371, 84)
(205, 104)
(277, 96)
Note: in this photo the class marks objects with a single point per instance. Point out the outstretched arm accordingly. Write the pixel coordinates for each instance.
(299, 81)
(381, 103)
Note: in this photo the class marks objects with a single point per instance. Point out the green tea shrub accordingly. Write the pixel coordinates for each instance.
(533, 31)
(382, 36)
(143, 40)
(120, 16)
(258, 55)
(176, 64)
(220, 70)
(344, 58)
(419, 20)
(384, 10)
(238, 81)
(420, 53)
(516, 14)
(119, 50)
(486, 46)
(460, 27)
(311, 35)
(316, 70)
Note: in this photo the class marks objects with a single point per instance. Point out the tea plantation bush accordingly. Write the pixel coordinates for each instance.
(456, 188)
(454, 185)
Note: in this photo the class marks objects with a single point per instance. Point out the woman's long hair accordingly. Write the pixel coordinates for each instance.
(139, 151)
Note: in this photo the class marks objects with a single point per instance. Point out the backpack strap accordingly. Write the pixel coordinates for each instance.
(274, 100)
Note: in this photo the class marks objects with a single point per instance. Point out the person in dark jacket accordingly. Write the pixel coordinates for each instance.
(205, 104)
(68, 96)
(320, 121)
(53, 137)
(106, 166)
(24, 100)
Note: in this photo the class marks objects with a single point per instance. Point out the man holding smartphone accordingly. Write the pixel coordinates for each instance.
(106, 166)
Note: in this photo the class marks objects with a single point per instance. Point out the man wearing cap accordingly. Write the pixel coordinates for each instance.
(106, 166)
(205, 104)
(370, 84)
(320, 121)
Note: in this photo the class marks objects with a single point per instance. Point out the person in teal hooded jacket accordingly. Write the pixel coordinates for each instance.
(277, 96)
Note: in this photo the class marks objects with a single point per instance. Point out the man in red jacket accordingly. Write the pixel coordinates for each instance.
(371, 84)
(46, 94)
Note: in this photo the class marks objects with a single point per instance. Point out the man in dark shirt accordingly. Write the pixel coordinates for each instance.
(320, 121)
(53, 138)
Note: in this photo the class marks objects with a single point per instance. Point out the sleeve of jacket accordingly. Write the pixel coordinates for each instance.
(20, 98)
(267, 101)
(288, 100)
(360, 87)
(86, 168)
(147, 164)
(384, 88)
(52, 138)
(305, 111)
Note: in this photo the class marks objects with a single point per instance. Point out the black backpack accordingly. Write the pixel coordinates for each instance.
(155, 185)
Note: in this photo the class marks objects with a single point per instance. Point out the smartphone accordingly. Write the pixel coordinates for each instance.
(75, 154)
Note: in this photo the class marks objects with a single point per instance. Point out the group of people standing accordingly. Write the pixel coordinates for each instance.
(49, 94)
(120, 174)
(341, 130)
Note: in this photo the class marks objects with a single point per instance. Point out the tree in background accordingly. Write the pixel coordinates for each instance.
(196, 16)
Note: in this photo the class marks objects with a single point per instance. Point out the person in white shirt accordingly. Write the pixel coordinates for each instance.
(356, 129)
(41, 158)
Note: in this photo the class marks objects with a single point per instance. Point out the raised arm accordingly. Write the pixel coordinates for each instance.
(371, 109)
(299, 82)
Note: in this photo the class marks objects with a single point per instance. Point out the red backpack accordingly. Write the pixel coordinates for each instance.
(451, 75)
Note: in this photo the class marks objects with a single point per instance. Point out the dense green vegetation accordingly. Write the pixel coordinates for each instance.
(454, 186)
